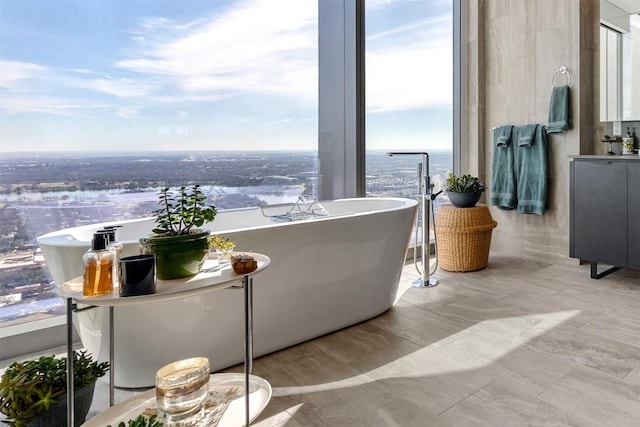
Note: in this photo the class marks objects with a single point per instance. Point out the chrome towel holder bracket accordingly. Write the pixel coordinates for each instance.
(561, 70)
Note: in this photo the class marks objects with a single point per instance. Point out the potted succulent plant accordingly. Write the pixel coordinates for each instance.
(179, 245)
(464, 191)
(33, 392)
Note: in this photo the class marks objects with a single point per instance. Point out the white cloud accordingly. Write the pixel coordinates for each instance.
(427, 26)
(121, 88)
(409, 79)
(35, 88)
(13, 73)
(126, 112)
(252, 48)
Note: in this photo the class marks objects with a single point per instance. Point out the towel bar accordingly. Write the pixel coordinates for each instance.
(561, 70)
(495, 127)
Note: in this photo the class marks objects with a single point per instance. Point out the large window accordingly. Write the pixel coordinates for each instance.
(409, 93)
(105, 101)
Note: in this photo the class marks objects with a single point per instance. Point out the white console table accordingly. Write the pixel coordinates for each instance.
(211, 277)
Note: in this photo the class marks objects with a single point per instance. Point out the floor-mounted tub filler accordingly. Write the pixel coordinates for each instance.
(327, 272)
(426, 198)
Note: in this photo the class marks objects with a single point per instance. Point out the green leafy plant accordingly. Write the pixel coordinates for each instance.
(140, 421)
(463, 184)
(182, 211)
(28, 388)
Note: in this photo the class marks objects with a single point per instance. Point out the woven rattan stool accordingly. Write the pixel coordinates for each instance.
(464, 237)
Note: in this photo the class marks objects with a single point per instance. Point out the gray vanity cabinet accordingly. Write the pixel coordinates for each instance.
(634, 215)
(599, 211)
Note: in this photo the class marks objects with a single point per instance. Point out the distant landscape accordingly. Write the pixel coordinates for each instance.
(48, 192)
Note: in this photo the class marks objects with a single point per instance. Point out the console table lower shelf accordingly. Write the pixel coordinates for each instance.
(225, 405)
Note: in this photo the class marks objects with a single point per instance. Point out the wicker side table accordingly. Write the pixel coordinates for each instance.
(464, 237)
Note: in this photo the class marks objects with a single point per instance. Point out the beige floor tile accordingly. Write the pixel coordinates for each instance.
(431, 298)
(621, 328)
(558, 276)
(508, 283)
(488, 315)
(433, 393)
(352, 343)
(387, 361)
(533, 370)
(514, 283)
(471, 284)
(318, 368)
(273, 416)
(332, 406)
(633, 377)
(503, 358)
(399, 413)
(420, 326)
(599, 297)
(541, 305)
(585, 348)
(502, 404)
(591, 395)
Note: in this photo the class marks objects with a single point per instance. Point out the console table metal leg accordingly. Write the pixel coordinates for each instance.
(112, 375)
(247, 283)
(70, 400)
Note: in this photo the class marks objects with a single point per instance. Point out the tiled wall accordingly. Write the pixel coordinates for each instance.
(514, 47)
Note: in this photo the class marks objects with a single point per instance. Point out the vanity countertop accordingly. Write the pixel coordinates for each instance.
(633, 157)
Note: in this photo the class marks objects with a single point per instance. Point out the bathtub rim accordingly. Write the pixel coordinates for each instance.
(65, 236)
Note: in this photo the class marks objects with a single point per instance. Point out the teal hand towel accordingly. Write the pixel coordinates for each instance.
(531, 172)
(503, 179)
(526, 135)
(502, 136)
(560, 110)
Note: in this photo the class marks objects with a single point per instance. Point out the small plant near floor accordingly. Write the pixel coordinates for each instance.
(29, 388)
(141, 421)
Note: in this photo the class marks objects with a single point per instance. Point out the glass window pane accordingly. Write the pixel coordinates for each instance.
(105, 101)
(409, 93)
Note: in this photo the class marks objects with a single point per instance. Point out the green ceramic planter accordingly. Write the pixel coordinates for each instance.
(177, 256)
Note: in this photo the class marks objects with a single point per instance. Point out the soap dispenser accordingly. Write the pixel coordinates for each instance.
(115, 246)
(97, 278)
(627, 143)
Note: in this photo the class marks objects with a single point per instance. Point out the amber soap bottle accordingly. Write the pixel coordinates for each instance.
(116, 247)
(98, 267)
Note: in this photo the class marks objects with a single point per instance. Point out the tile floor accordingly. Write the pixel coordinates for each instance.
(520, 343)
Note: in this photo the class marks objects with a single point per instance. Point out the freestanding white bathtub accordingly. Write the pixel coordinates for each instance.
(325, 274)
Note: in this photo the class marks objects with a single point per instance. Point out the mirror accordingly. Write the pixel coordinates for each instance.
(619, 60)
(631, 70)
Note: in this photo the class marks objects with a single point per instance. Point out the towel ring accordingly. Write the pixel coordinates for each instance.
(561, 70)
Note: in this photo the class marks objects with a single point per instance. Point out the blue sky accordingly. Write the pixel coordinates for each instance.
(79, 75)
